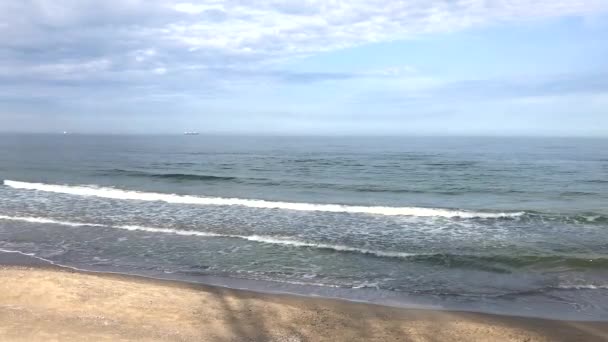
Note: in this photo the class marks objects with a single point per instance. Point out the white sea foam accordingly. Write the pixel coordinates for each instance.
(297, 243)
(252, 203)
(17, 252)
(46, 220)
(256, 238)
(582, 287)
(33, 255)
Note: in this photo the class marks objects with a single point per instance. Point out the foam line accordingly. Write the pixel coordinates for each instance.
(253, 203)
(255, 238)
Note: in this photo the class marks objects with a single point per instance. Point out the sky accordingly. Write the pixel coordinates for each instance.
(333, 67)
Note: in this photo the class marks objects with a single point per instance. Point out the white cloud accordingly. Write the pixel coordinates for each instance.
(159, 71)
(190, 8)
(75, 68)
(206, 44)
(143, 55)
(266, 29)
(280, 27)
(67, 70)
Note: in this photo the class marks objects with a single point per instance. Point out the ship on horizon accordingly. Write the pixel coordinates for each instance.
(190, 133)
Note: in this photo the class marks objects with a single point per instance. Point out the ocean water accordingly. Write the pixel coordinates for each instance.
(507, 225)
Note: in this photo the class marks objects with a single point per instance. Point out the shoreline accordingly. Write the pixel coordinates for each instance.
(66, 304)
(263, 287)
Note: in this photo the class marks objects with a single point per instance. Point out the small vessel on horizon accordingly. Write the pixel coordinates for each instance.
(190, 133)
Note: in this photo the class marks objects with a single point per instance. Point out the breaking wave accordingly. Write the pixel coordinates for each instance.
(121, 194)
(256, 238)
(491, 263)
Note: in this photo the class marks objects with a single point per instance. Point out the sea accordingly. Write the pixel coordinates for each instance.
(515, 226)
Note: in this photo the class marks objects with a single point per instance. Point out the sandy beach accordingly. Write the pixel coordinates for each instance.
(40, 303)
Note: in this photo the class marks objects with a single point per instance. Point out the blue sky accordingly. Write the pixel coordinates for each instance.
(458, 67)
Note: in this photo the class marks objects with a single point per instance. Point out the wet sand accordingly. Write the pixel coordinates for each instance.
(42, 303)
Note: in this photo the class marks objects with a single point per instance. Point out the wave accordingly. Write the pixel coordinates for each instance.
(34, 256)
(256, 238)
(597, 181)
(576, 193)
(174, 176)
(582, 287)
(580, 218)
(508, 263)
(46, 220)
(255, 203)
(489, 263)
(339, 248)
(591, 218)
(260, 181)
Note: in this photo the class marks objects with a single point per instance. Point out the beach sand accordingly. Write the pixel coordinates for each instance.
(52, 304)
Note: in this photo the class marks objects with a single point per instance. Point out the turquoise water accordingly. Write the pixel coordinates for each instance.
(513, 225)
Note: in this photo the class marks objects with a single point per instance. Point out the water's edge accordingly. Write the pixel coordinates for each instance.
(14, 258)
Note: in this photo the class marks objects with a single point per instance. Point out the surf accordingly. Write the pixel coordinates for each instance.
(492, 263)
(274, 240)
(120, 194)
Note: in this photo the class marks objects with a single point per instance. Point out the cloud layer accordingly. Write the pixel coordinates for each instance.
(70, 39)
(61, 50)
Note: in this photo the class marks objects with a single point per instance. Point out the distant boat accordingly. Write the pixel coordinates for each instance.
(65, 132)
(190, 133)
